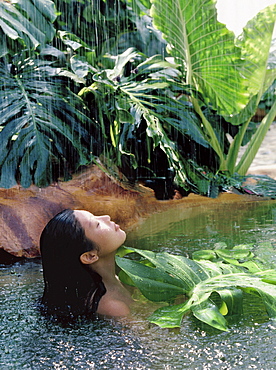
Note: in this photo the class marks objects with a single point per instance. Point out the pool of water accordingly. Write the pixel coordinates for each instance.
(29, 341)
(202, 226)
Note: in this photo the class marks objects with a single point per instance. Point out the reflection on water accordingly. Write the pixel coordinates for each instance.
(29, 341)
(201, 227)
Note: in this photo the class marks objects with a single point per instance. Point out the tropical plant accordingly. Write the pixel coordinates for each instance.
(228, 74)
(186, 111)
(212, 284)
(44, 129)
(132, 110)
(144, 114)
(25, 24)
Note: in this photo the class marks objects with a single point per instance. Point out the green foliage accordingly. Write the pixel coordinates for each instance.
(25, 23)
(141, 103)
(109, 27)
(145, 111)
(208, 100)
(42, 124)
(211, 80)
(212, 283)
(230, 75)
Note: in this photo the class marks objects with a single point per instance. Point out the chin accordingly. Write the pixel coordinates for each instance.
(123, 236)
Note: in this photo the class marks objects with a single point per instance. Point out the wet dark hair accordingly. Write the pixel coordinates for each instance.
(71, 288)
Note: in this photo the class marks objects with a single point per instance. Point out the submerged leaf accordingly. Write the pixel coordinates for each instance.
(170, 275)
(168, 316)
(209, 313)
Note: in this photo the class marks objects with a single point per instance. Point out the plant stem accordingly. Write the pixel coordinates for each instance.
(256, 141)
(210, 133)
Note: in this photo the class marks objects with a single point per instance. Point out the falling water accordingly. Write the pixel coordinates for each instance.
(77, 87)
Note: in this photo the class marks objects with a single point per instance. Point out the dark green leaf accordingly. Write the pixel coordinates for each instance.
(42, 122)
(155, 284)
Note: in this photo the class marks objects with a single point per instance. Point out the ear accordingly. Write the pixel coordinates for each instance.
(89, 257)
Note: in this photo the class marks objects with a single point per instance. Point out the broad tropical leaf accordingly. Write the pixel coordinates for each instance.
(154, 283)
(226, 277)
(41, 123)
(126, 101)
(27, 21)
(258, 31)
(207, 50)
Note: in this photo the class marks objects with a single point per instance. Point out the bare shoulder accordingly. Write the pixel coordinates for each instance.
(112, 307)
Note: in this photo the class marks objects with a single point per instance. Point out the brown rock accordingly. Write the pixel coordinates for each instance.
(25, 212)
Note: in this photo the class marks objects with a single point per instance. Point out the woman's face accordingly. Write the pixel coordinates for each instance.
(102, 231)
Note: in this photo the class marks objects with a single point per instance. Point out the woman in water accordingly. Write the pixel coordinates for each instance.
(78, 258)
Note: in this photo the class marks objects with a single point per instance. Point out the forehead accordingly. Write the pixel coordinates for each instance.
(83, 216)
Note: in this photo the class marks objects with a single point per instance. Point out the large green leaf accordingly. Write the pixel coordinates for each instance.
(200, 280)
(42, 123)
(206, 49)
(144, 96)
(258, 31)
(27, 21)
(155, 284)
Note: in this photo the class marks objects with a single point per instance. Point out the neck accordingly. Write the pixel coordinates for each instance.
(105, 267)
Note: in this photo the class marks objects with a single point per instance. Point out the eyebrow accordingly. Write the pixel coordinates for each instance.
(92, 221)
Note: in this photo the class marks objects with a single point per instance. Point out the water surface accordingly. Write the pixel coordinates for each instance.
(29, 341)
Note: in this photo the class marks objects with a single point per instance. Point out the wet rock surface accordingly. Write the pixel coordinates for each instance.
(25, 212)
